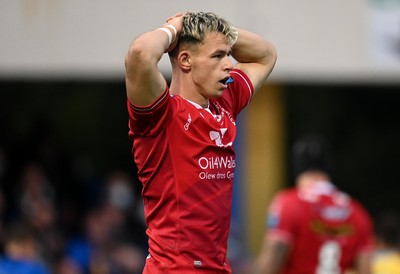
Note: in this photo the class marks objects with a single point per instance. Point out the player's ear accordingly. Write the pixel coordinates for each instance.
(184, 60)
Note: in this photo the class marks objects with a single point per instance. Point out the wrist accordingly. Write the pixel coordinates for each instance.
(234, 35)
(171, 31)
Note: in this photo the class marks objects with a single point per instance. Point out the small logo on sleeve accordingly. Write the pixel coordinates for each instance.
(188, 122)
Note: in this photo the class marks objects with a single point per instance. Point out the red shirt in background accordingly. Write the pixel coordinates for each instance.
(325, 228)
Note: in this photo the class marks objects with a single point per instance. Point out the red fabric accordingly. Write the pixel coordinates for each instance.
(319, 225)
(186, 162)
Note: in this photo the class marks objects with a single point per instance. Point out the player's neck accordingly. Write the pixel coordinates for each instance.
(310, 178)
(189, 94)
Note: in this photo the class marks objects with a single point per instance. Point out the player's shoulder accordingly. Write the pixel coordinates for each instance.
(179, 104)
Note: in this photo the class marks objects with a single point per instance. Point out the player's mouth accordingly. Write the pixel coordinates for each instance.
(226, 80)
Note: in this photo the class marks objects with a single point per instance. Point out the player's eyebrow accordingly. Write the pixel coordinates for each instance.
(222, 51)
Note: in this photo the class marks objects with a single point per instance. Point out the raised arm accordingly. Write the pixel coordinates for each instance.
(144, 82)
(255, 56)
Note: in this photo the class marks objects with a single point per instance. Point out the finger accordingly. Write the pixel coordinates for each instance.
(179, 14)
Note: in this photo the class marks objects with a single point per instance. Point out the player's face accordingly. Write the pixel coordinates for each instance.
(211, 65)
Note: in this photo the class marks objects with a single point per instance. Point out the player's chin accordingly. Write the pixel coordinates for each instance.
(218, 93)
(221, 88)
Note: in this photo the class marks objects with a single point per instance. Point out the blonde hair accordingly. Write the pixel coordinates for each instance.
(196, 25)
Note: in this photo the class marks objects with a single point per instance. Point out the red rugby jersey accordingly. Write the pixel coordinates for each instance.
(186, 163)
(325, 228)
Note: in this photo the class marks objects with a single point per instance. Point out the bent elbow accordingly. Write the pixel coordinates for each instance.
(270, 54)
(137, 55)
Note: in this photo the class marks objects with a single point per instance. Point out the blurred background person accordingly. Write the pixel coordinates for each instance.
(314, 227)
(21, 254)
(36, 207)
(125, 208)
(386, 259)
(111, 238)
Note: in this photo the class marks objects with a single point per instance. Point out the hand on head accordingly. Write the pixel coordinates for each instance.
(174, 23)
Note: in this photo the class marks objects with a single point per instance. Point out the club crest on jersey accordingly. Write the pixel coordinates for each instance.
(218, 136)
(324, 228)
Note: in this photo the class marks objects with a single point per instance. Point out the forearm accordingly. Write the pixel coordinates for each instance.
(271, 258)
(255, 56)
(363, 263)
(251, 48)
(148, 48)
(143, 80)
